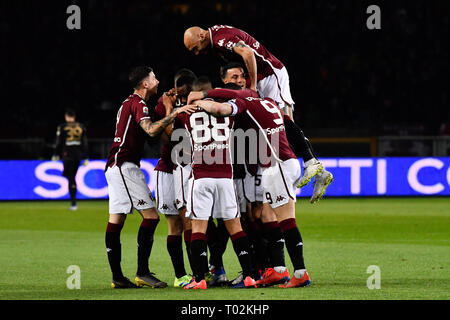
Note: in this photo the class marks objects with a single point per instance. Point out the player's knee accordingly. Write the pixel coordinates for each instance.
(117, 218)
(149, 213)
(175, 225)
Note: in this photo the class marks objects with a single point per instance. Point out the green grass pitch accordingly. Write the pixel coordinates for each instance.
(407, 238)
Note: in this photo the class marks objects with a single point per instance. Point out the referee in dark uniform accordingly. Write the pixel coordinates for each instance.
(71, 146)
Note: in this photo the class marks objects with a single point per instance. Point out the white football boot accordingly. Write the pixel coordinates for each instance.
(312, 168)
(321, 182)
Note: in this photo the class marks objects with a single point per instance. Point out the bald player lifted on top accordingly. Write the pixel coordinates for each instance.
(269, 77)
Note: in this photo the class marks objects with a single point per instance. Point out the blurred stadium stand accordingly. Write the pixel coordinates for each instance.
(358, 92)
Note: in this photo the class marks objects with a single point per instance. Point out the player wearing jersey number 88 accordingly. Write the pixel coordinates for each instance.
(212, 193)
(202, 126)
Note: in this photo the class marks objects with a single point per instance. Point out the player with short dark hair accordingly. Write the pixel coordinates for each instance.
(169, 179)
(127, 187)
(270, 78)
(202, 83)
(71, 146)
(233, 72)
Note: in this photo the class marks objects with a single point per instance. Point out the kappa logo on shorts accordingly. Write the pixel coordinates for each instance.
(141, 202)
(165, 206)
(177, 201)
(280, 198)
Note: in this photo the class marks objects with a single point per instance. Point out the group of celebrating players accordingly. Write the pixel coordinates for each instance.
(201, 179)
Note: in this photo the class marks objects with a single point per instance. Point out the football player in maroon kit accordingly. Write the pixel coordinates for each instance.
(212, 193)
(270, 78)
(251, 188)
(170, 178)
(127, 186)
(279, 179)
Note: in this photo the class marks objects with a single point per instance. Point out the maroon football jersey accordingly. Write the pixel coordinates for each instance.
(210, 141)
(165, 162)
(266, 118)
(224, 38)
(129, 139)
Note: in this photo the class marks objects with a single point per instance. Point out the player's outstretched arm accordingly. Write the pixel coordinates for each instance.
(196, 95)
(215, 108)
(217, 94)
(250, 62)
(155, 128)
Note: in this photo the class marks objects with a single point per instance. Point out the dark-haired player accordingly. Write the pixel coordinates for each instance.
(279, 179)
(127, 186)
(270, 78)
(170, 178)
(249, 183)
(71, 146)
(202, 83)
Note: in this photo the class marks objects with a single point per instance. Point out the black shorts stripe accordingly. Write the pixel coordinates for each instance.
(126, 188)
(243, 190)
(238, 205)
(157, 189)
(182, 186)
(284, 181)
(192, 198)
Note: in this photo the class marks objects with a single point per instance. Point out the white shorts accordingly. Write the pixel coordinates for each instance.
(181, 182)
(280, 182)
(212, 198)
(249, 187)
(240, 196)
(276, 87)
(165, 192)
(259, 191)
(127, 189)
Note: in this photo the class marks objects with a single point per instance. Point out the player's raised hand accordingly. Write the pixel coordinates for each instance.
(195, 95)
(189, 109)
(169, 99)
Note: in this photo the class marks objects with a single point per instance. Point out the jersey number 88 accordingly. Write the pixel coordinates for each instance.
(219, 131)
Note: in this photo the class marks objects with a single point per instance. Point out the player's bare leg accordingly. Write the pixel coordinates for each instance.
(144, 277)
(294, 244)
